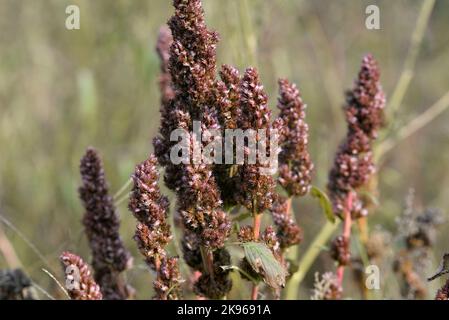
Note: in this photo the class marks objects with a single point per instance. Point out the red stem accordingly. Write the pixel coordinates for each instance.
(256, 233)
(254, 292)
(346, 232)
(256, 226)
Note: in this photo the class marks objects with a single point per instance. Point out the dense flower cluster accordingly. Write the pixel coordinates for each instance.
(353, 164)
(295, 166)
(213, 286)
(255, 189)
(162, 142)
(163, 45)
(216, 284)
(288, 232)
(229, 106)
(340, 251)
(192, 55)
(150, 207)
(192, 66)
(227, 99)
(101, 222)
(79, 282)
(200, 204)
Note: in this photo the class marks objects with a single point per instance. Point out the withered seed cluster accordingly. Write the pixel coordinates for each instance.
(81, 284)
(353, 163)
(206, 193)
(295, 165)
(101, 222)
(150, 208)
(191, 91)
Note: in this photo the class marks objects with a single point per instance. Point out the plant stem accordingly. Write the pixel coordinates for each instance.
(347, 223)
(368, 295)
(123, 189)
(208, 261)
(256, 232)
(254, 292)
(256, 226)
(309, 257)
(410, 61)
(414, 125)
(289, 205)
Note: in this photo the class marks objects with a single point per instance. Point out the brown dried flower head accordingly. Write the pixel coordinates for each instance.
(255, 189)
(288, 232)
(340, 251)
(80, 283)
(102, 223)
(227, 102)
(229, 88)
(353, 164)
(192, 54)
(295, 166)
(218, 284)
(169, 115)
(152, 235)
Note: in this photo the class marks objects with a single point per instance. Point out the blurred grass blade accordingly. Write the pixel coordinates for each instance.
(410, 61)
(123, 188)
(309, 257)
(416, 124)
(25, 239)
(57, 282)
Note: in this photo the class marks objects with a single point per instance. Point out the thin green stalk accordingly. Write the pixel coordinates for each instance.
(410, 61)
(365, 259)
(256, 230)
(42, 290)
(309, 257)
(57, 282)
(414, 125)
(27, 241)
(119, 201)
(246, 26)
(123, 188)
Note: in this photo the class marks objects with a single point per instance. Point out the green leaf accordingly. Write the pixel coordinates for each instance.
(324, 202)
(263, 262)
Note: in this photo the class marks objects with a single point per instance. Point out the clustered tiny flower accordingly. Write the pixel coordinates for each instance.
(78, 275)
(101, 221)
(153, 234)
(295, 165)
(353, 164)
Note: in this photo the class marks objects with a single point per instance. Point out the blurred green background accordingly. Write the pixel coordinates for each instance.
(61, 91)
